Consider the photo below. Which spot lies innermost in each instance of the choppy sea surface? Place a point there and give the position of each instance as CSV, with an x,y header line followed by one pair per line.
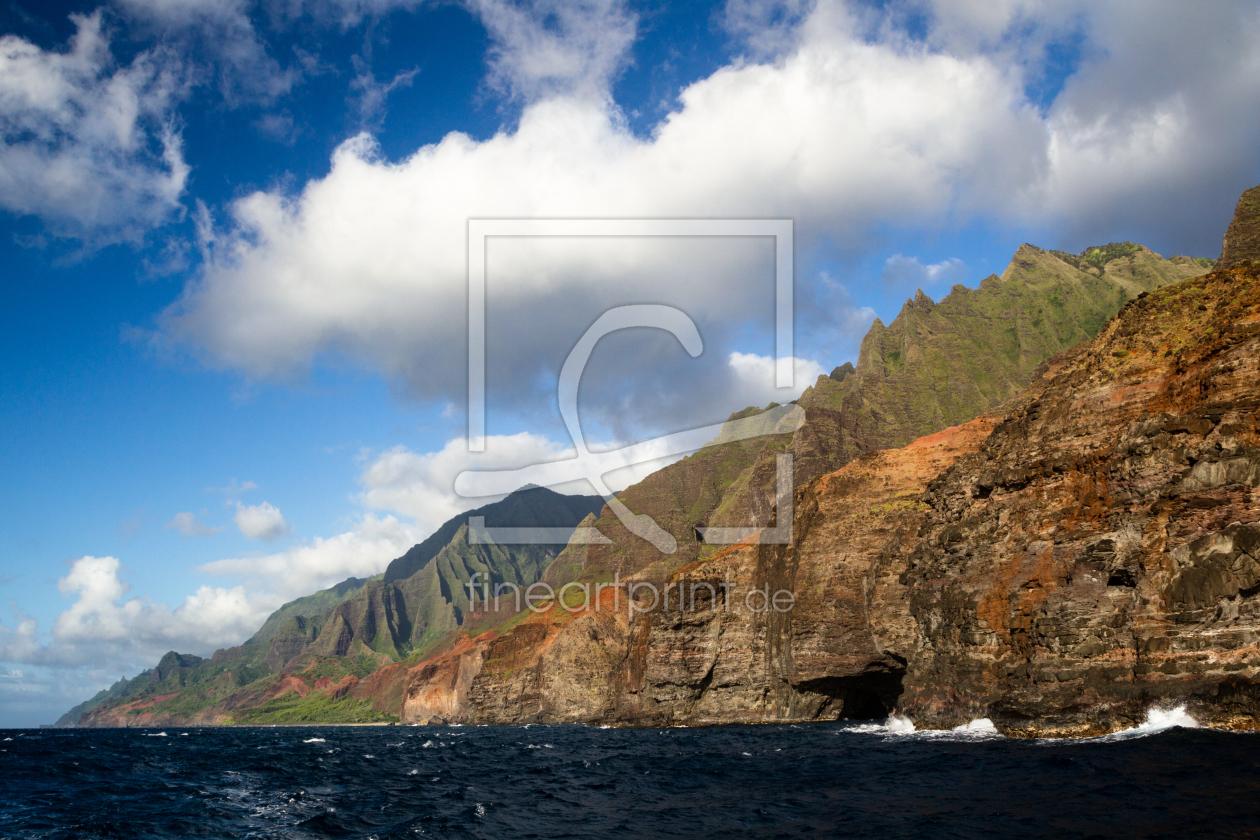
x,y
817,780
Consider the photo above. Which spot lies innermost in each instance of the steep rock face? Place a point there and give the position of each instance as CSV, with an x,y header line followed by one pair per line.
x,y
1099,553
935,364
721,658
730,658
1242,239
555,666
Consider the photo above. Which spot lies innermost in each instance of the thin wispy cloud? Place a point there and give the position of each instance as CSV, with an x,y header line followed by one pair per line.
x,y
187,524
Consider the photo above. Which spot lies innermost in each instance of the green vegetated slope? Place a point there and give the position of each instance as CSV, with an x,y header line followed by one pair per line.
x,y
940,364
523,509
310,605
936,365
349,630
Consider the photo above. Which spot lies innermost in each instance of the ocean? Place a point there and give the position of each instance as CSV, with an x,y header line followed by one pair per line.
x,y
769,781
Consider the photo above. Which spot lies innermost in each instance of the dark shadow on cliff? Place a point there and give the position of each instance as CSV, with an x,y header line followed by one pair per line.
x,y
870,696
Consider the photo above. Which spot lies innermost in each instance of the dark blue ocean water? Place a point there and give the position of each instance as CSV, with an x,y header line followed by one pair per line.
x,y
823,780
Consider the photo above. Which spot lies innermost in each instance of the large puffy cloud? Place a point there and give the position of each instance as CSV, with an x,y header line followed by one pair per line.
x,y
1160,127
847,129
851,125
370,260
1154,134
103,625
88,147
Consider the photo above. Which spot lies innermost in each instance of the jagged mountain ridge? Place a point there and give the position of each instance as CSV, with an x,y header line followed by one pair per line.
x,y
935,365
377,622
516,511
346,632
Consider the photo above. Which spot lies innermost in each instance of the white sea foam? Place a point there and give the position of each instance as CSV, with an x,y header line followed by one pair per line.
x,y
481,810
1157,720
155,734
895,725
902,726
313,741
426,745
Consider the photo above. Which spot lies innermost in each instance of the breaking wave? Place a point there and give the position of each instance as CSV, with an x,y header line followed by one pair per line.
x,y
1157,720
901,726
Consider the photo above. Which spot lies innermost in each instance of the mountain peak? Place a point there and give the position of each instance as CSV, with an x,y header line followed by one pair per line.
x,y
1242,239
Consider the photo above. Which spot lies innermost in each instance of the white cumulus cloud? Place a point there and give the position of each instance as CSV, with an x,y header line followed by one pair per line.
x,y
103,624
370,261
315,564
261,522
88,147
755,375
849,124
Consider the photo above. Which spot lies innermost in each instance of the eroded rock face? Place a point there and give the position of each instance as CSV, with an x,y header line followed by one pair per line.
x,y
1098,554
1242,239
1094,553
840,649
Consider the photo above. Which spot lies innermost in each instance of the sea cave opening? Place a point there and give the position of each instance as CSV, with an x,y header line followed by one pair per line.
x,y
859,697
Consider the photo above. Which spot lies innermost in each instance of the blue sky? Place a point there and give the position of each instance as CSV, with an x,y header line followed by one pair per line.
x,y
231,359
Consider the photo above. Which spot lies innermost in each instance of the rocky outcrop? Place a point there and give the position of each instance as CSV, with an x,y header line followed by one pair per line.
x,y
1098,554
1242,239
834,648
